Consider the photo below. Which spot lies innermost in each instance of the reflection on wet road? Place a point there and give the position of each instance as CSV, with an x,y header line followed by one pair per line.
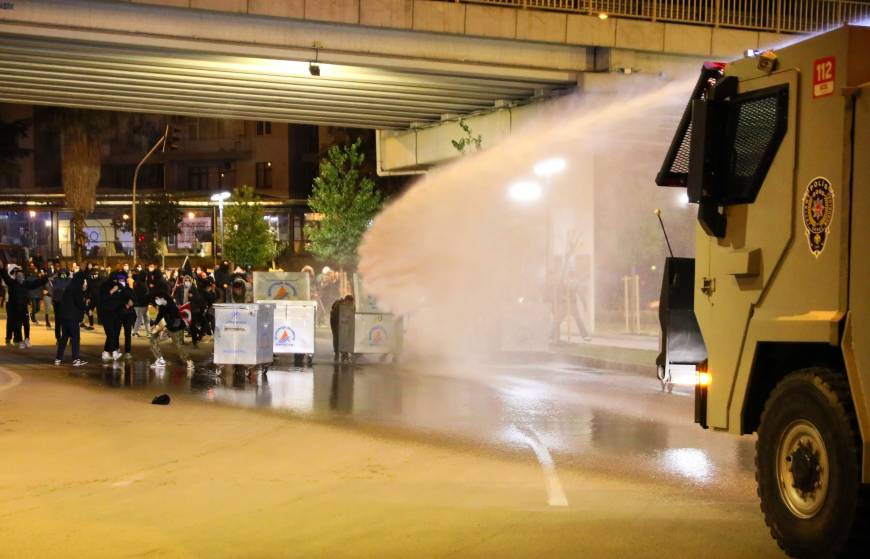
x,y
585,417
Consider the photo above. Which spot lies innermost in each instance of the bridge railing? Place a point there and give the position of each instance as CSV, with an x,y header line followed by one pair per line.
x,y
789,16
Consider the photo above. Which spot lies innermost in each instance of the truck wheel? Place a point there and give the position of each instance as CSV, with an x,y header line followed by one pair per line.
x,y
808,466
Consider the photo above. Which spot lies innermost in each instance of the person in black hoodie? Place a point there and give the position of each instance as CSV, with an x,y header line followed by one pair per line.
x,y
109,309
92,294
222,279
73,306
17,316
58,285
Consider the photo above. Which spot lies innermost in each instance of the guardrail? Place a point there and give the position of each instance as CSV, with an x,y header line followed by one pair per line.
x,y
788,16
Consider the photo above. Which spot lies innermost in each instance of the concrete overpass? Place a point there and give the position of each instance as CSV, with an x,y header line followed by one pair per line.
x,y
393,65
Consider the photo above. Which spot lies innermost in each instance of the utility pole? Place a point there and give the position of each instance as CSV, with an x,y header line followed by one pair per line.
x,y
168,139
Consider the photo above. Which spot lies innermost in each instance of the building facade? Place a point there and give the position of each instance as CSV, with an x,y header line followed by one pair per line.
x,y
213,155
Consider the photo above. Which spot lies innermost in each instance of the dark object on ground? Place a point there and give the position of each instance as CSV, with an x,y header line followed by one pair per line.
x,y
162,400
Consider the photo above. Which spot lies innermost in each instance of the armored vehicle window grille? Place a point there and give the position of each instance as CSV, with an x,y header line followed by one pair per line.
x,y
680,164
675,168
757,124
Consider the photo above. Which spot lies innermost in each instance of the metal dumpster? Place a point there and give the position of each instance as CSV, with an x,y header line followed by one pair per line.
x,y
243,334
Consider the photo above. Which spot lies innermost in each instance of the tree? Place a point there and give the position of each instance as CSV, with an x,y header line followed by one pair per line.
x,y
347,202
11,133
82,134
468,140
158,219
249,241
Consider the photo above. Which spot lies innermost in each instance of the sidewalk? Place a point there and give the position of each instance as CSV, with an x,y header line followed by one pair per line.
x,y
621,352
626,352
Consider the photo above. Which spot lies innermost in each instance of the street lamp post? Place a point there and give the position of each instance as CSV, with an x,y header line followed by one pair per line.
x,y
160,143
220,197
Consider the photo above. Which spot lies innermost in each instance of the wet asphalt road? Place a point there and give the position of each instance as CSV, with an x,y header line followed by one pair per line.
x,y
466,447
585,418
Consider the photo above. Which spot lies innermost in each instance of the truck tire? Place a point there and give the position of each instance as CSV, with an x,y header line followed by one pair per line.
x,y
808,467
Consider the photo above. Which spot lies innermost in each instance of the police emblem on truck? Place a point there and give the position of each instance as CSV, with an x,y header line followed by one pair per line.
x,y
818,213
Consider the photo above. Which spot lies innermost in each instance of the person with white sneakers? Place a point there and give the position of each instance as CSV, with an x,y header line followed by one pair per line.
x,y
168,319
108,307
16,305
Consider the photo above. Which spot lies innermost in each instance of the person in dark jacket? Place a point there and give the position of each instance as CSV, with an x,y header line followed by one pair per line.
x,y
168,319
93,294
188,293
126,314
35,294
109,309
16,308
209,298
222,279
334,314
58,285
71,312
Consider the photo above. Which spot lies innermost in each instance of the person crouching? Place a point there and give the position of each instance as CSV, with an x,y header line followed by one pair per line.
x,y
168,319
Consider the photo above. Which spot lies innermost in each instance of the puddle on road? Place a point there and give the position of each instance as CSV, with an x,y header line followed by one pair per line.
x,y
577,433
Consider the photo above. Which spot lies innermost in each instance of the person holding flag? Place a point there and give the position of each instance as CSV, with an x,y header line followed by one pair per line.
x,y
170,320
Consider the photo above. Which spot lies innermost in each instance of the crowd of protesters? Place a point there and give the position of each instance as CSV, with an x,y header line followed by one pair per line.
x,y
117,300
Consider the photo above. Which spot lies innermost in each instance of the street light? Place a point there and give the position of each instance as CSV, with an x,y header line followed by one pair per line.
x,y
549,167
220,197
525,191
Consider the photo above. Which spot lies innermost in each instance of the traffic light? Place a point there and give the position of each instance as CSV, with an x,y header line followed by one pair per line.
x,y
172,138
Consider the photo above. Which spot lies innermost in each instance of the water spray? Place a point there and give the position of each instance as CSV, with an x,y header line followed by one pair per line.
x,y
658,213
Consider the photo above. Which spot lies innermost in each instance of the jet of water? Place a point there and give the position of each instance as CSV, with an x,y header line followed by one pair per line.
x,y
488,248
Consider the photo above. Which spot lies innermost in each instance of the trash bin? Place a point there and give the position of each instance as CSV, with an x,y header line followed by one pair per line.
x,y
294,323
281,286
368,333
243,334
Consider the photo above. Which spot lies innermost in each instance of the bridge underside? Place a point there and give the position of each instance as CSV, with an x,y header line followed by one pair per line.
x,y
198,83
156,65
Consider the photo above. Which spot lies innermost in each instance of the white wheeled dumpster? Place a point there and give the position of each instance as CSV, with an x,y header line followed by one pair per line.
x,y
294,323
243,334
281,286
368,333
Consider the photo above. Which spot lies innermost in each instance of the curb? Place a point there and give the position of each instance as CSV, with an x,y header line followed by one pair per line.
x,y
581,360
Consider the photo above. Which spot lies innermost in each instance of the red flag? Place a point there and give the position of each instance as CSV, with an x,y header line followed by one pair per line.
x,y
186,313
